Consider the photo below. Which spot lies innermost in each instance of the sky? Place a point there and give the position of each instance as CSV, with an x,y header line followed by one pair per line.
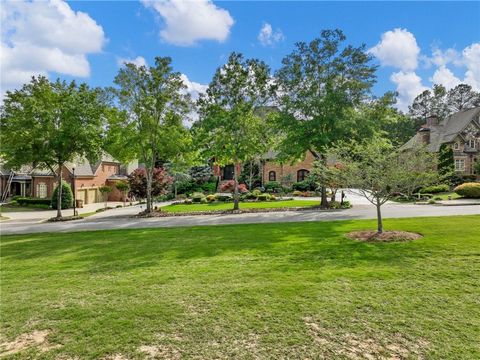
x,y
415,44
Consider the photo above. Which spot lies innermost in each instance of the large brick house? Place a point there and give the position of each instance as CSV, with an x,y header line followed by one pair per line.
x,y
40,183
286,173
461,131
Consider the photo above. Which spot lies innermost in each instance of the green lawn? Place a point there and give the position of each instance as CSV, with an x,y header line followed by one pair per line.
x,y
243,205
445,196
271,291
10,208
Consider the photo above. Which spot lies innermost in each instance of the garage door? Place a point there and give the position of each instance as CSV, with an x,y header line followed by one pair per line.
x,y
92,196
82,195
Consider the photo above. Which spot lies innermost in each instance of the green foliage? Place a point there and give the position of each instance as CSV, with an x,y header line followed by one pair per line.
x,y
211,198
223,197
105,190
445,161
306,185
152,103
469,190
67,197
122,186
435,189
334,205
209,187
32,201
273,186
263,197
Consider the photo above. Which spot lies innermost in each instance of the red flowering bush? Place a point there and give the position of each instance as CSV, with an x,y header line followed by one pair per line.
x,y
229,186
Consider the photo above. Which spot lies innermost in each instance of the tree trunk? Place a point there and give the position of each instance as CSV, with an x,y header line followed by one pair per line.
x,y
379,218
324,201
251,177
334,195
235,191
149,190
124,198
59,192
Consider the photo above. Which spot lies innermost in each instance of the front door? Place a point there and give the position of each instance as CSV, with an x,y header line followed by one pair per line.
x,y
228,172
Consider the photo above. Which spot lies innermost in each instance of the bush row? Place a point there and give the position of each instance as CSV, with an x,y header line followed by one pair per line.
x,y
469,190
23,201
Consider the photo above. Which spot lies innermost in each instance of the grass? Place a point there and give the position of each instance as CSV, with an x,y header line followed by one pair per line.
x,y
87,214
17,208
444,196
272,291
243,205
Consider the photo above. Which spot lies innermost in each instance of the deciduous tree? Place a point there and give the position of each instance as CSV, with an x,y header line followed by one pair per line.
x,y
49,124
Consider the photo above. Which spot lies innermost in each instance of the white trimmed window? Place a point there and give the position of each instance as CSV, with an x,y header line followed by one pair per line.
x,y
41,190
459,165
471,143
456,145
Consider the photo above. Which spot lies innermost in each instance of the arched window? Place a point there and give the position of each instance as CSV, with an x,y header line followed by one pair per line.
x,y
272,176
302,174
41,190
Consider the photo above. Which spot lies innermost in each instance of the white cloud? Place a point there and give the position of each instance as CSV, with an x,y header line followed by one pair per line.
x,y
397,48
445,77
268,37
138,61
409,85
40,37
187,22
193,88
471,59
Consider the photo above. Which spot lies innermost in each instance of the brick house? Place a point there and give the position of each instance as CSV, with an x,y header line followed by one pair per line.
x,y
460,131
286,173
40,183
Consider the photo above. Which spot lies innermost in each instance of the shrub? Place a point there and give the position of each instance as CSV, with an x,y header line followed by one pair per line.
x,y
346,205
263,197
229,186
273,197
334,205
119,206
30,201
431,201
209,187
256,192
435,189
211,198
198,197
203,200
273,186
468,190
188,201
251,195
222,197
305,185
297,193
67,197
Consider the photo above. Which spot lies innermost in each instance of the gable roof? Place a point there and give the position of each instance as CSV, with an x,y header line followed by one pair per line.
x,y
446,131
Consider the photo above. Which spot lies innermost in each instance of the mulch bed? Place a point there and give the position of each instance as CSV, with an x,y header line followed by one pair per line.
x,y
386,236
157,213
64,218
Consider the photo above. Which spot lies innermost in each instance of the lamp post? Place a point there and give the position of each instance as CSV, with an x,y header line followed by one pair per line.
x,y
74,196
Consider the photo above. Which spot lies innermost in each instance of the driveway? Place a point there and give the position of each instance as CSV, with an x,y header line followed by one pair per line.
x,y
120,218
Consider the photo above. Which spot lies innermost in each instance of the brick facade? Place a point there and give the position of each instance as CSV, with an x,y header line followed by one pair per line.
x,y
286,173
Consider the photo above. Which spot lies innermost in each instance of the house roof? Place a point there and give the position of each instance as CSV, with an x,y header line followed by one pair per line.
x,y
446,131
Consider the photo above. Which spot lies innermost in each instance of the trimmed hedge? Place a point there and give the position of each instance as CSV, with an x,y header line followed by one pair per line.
x,y
435,189
31,201
468,190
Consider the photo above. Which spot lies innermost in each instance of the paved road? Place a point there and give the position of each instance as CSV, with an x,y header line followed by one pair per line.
x,y
120,220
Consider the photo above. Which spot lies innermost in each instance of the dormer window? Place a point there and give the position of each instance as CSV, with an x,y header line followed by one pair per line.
x,y
456,145
471,144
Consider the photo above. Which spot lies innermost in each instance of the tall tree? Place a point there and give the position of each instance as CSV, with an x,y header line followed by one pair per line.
x,y
319,85
51,123
429,103
462,97
148,126
230,129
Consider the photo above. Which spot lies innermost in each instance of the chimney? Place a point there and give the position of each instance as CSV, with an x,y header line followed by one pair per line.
x,y
432,120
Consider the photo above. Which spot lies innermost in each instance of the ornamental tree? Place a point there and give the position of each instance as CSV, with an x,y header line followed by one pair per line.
x,y
49,124
320,84
152,103
105,190
138,183
231,128
123,187
377,172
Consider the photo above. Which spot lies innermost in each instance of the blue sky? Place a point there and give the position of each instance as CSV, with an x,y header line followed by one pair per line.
x,y
420,39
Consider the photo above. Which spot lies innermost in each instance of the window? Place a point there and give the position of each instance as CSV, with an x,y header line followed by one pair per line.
x,y
272,176
302,174
41,190
471,143
456,145
459,164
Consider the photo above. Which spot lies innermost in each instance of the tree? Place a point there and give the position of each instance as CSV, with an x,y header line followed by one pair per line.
x,y
66,200
123,187
446,166
230,129
138,183
378,172
462,97
105,190
148,126
320,83
250,174
48,124
429,103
